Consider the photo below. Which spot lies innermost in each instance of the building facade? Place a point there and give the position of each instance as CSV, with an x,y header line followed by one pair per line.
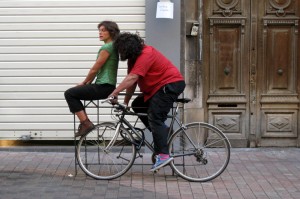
x,y
246,69
240,59
46,47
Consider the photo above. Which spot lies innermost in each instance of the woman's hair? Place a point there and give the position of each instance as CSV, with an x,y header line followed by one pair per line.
x,y
111,27
129,46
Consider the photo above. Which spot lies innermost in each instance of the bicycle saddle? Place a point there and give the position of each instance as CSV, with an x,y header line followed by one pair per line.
x,y
183,100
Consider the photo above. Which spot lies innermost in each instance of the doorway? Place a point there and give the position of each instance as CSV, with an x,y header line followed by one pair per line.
x,y
250,58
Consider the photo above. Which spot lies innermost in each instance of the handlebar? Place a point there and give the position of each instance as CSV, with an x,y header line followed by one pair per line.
x,y
116,103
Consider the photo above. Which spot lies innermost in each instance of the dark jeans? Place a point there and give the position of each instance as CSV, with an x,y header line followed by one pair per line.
x,y
86,92
157,108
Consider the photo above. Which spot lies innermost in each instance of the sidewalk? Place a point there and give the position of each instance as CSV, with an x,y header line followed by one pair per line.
x,y
28,173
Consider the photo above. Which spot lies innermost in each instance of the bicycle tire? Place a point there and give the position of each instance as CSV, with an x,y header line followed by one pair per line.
x,y
201,152
105,164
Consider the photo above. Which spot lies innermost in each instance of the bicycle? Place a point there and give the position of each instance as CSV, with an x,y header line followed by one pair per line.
x,y
200,150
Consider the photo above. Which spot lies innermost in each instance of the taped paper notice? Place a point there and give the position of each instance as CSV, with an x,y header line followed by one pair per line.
x,y
165,10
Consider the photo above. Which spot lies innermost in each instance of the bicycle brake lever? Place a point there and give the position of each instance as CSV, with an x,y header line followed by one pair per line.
x,y
105,101
109,100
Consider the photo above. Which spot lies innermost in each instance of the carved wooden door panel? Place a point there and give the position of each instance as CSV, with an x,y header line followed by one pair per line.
x,y
226,61
277,73
251,64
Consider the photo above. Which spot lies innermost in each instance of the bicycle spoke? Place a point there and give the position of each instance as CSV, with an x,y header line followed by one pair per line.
x,y
201,152
102,162
221,141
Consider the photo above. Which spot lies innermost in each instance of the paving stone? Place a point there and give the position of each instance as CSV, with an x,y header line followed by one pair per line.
x,y
269,173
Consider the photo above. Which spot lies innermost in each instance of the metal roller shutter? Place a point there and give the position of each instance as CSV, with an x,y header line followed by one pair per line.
x,y
47,47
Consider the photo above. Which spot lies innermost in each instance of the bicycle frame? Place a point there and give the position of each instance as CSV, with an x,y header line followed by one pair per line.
x,y
203,146
123,121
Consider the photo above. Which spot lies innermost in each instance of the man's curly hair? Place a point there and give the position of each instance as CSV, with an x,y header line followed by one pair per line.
x,y
129,46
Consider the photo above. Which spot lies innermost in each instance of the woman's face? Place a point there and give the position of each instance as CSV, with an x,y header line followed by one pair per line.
x,y
104,35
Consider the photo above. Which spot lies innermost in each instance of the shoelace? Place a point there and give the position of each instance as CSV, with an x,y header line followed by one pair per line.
x,y
79,127
157,160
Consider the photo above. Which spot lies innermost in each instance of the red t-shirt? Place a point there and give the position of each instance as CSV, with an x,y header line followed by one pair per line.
x,y
154,71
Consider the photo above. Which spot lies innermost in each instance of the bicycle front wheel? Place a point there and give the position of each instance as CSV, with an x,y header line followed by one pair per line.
x,y
201,152
105,154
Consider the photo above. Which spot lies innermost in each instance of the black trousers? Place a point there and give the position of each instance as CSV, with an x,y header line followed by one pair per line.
x,y
75,94
157,108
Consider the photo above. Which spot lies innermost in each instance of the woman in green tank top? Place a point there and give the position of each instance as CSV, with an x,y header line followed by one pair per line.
x,y
104,70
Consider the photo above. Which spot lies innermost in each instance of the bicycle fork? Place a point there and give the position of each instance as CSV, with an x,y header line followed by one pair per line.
x,y
114,138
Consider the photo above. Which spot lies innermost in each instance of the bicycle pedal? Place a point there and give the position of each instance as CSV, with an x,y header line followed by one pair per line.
x,y
156,171
140,156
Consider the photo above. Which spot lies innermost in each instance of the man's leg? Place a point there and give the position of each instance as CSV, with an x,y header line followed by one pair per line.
x,y
139,106
159,107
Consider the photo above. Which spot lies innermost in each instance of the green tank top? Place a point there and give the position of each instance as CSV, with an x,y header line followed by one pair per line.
x,y
108,72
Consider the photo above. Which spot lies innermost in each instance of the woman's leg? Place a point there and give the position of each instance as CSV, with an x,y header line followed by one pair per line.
x,y
82,116
75,94
87,92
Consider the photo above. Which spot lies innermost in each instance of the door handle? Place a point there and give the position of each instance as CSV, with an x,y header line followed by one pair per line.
x,y
227,70
280,71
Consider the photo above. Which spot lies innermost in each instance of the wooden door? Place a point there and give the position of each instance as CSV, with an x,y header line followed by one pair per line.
x,y
251,63
277,73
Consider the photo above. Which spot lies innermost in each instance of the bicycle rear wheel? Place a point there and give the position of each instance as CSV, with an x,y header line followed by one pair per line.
x,y
101,162
201,152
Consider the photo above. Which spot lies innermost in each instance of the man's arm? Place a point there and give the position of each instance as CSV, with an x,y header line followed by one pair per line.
x,y
128,83
129,92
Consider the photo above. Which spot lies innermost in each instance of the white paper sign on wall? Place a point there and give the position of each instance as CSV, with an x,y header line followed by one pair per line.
x,y
165,10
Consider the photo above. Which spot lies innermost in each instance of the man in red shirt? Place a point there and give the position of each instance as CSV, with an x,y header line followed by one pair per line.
x,y
160,82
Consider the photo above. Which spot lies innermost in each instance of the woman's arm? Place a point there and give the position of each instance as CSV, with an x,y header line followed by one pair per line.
x,y
102,58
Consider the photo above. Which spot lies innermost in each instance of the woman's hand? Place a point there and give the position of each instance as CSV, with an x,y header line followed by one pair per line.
x,y
81,84
113,98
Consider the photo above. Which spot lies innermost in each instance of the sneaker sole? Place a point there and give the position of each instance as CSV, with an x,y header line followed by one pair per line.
x,y
162,165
